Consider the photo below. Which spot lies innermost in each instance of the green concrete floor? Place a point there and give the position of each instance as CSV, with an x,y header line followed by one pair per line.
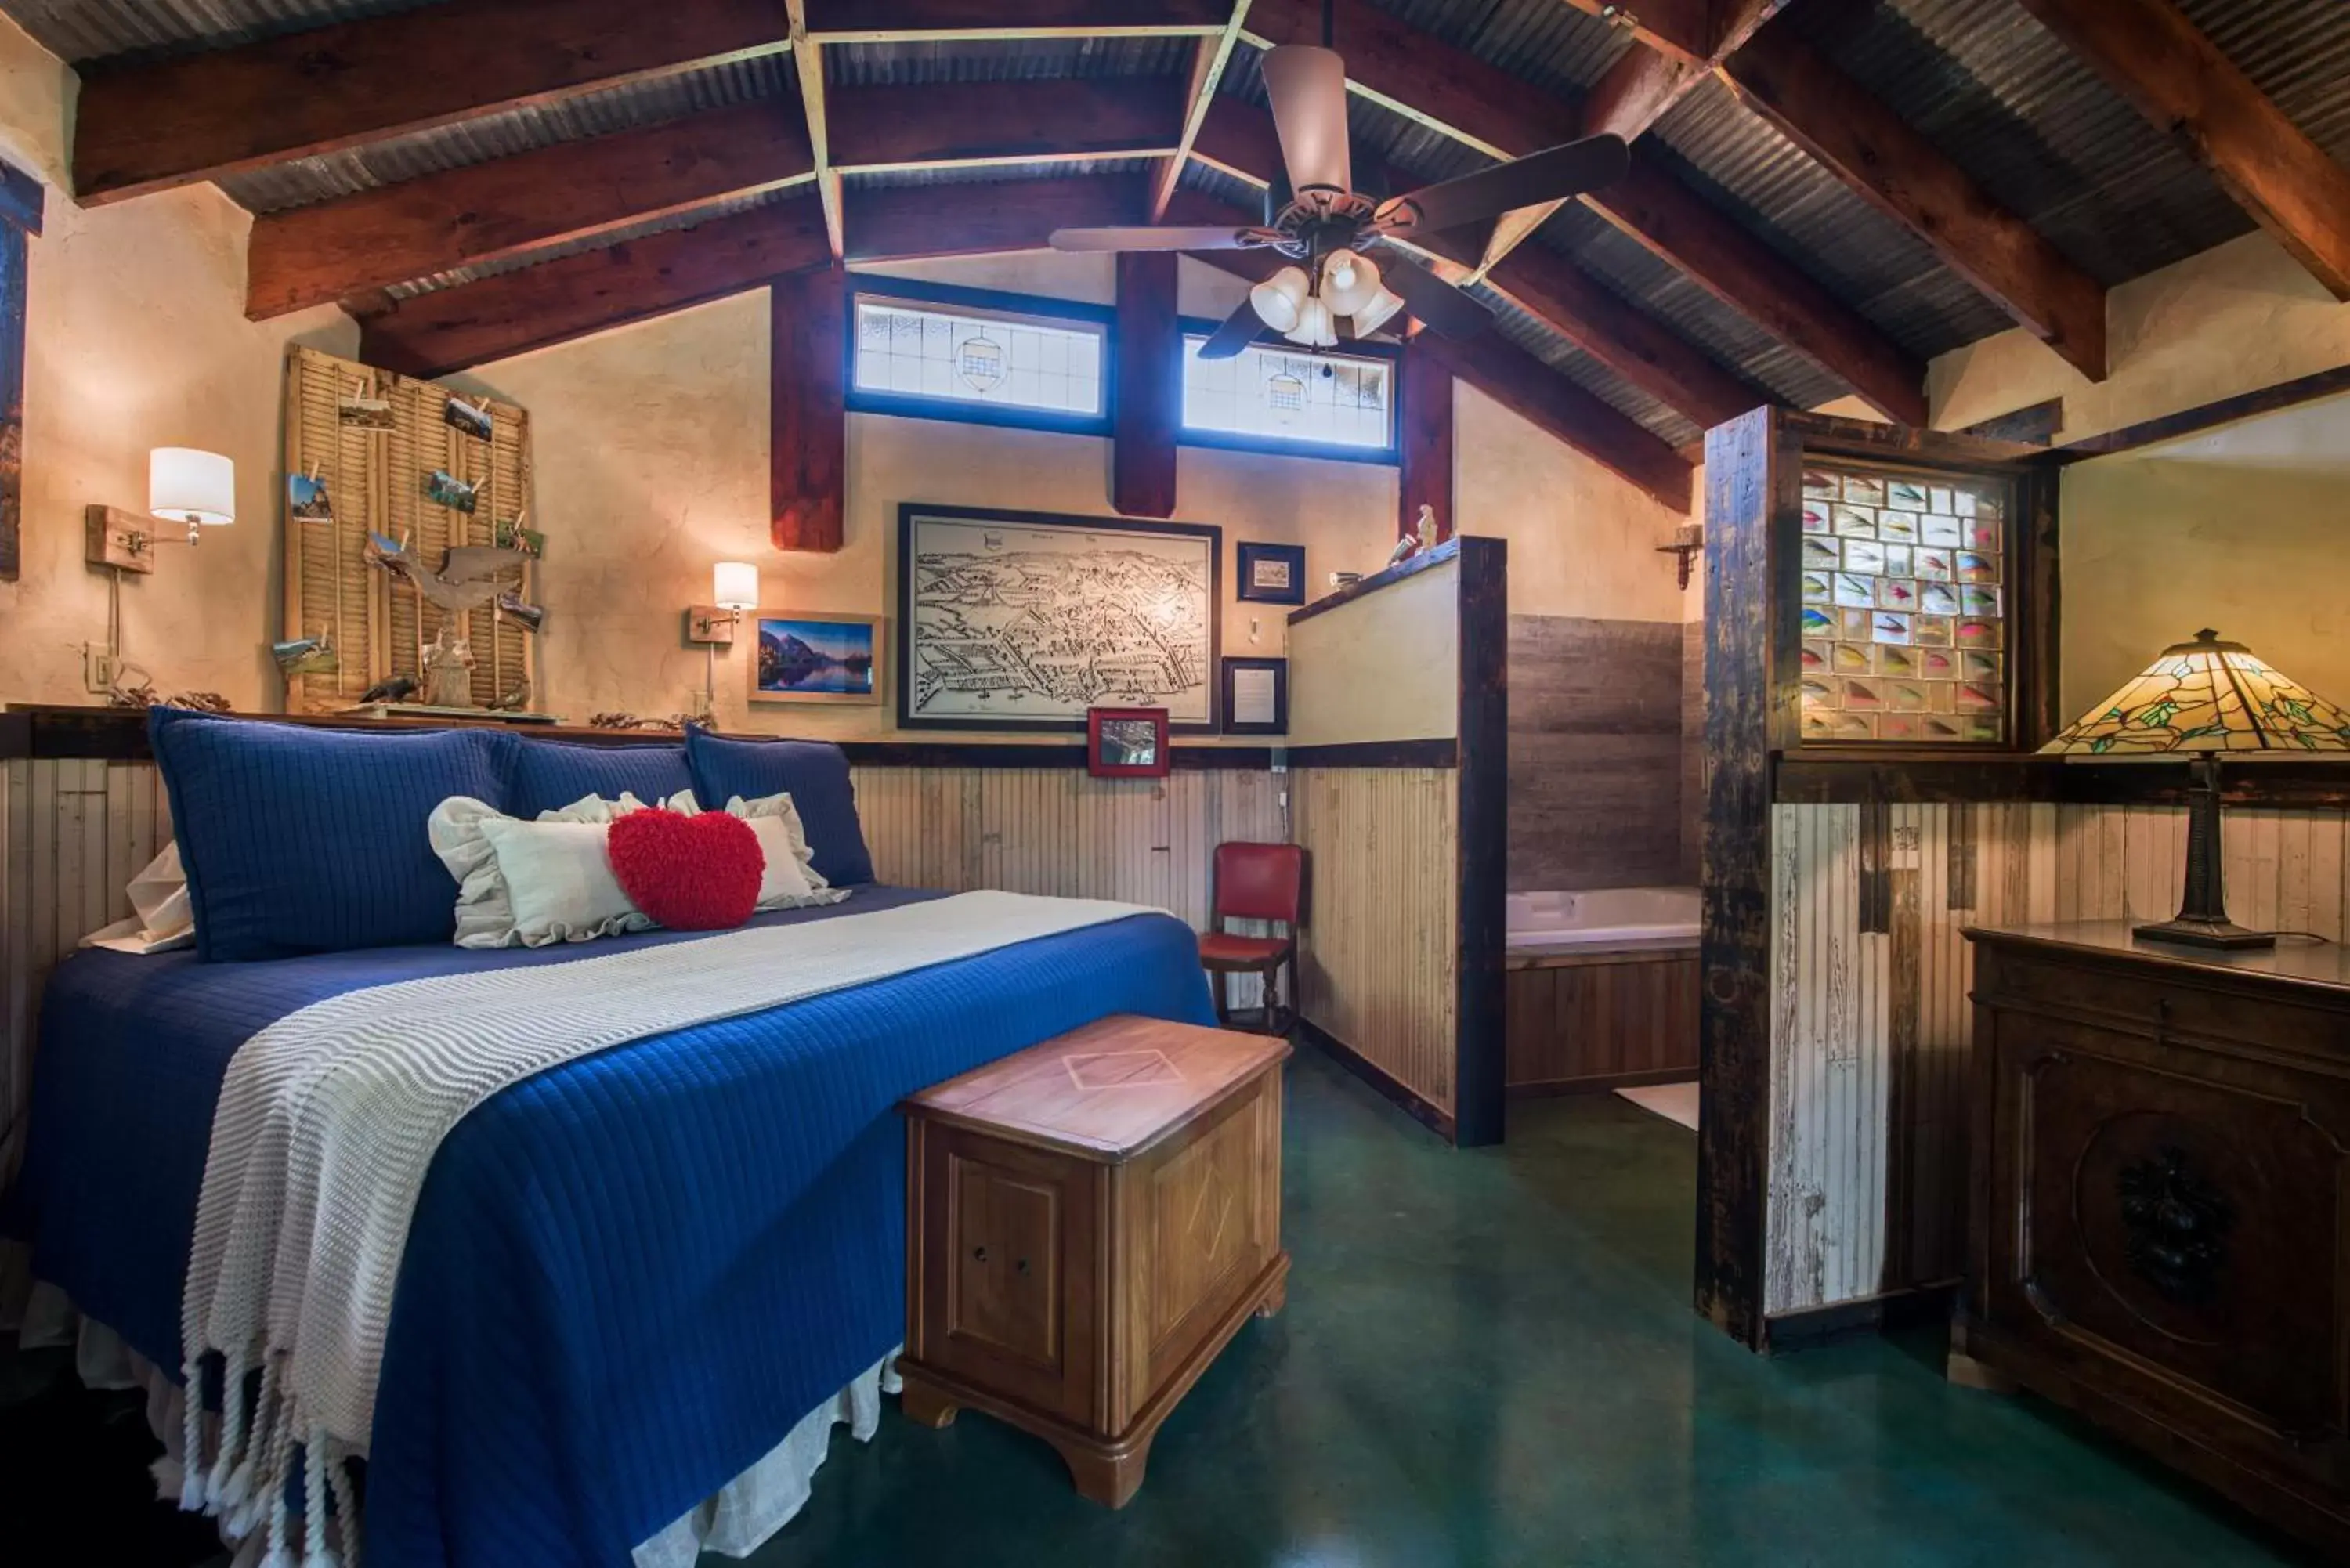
x,y
1489,1358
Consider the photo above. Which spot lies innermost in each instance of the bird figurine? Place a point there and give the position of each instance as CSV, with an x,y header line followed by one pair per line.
x,y
392,689
470,575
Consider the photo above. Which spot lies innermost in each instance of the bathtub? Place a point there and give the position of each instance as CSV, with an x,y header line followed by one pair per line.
x,y
1603,917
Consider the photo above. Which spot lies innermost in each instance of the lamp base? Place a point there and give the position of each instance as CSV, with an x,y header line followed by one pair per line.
x,y
2223,933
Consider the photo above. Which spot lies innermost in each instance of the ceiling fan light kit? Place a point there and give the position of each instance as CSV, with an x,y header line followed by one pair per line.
x,y
1317,218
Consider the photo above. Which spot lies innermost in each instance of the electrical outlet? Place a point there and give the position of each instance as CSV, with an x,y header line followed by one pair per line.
x,y
98,667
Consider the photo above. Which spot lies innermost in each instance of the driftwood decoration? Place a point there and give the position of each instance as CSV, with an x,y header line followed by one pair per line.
x,y
376,439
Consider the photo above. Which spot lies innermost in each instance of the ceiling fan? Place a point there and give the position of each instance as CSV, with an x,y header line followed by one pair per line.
x,y
1315,216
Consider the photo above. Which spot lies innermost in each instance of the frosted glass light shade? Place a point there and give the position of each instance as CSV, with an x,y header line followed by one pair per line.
x,y
1279,298
734,585
1378,313
1316,326
184,485
1349,282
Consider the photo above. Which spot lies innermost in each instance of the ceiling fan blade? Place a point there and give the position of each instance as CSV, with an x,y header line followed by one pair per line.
x,y
1240,329
1140,238
1527,181
1431,298
1308,88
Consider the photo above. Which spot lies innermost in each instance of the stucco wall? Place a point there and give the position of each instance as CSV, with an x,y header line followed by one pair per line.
x,y
136,338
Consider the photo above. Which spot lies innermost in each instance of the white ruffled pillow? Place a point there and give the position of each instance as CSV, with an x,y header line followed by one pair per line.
x,y
538,883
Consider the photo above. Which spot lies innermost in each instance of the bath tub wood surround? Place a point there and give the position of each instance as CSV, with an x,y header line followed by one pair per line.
x,y
1602,990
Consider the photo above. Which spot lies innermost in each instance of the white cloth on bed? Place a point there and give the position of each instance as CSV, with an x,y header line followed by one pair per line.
x,y
162,921
329,1119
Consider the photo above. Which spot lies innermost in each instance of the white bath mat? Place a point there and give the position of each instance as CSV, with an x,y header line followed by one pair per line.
x,y
1674,1101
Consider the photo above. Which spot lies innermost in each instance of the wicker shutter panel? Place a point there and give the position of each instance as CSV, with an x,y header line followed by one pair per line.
x,y
376,481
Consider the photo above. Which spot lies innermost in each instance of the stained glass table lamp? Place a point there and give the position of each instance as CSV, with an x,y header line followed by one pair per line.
x,y
2207,697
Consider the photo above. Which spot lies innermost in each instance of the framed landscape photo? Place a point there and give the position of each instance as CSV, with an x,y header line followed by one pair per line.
x,y
1127,744
1270,574
1025,620
797,658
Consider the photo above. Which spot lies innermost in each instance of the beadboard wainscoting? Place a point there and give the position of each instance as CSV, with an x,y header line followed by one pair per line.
x,y
1378,967
1871,1024
73,832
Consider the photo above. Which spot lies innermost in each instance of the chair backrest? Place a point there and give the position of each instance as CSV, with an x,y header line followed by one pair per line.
x,y
1259,882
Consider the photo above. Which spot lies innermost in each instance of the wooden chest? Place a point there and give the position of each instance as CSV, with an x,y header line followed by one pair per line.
x,y
1087,1224
2159,1235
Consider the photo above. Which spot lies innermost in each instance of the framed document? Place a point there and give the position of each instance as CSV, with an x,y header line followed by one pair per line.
x,y
1256,696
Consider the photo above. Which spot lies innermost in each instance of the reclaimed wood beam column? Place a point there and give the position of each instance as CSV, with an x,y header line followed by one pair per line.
x,y
151,126
21,201
1873,151
1149,375
2151,55
808,379
1424,440
415,228
1209,58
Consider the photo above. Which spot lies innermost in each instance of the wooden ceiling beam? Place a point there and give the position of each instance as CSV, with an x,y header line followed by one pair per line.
x,y
1634,93
2151,54
922,21
1500,115
1239,139
483,212
947,124
1210,55
808,58
1507,374
1873,152
454,328
982,218
149,127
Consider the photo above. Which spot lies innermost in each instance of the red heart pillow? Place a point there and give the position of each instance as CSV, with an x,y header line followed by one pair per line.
x,y
690,873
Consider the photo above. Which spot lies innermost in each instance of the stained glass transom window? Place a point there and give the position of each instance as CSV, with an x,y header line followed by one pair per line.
x,y
968,356
1905,610
1279,394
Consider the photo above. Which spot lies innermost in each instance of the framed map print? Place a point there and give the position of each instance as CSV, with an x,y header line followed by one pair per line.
x,y
1024,620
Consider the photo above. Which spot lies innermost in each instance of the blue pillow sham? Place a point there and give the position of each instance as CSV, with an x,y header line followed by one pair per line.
x,y
548,775
302,840
815,774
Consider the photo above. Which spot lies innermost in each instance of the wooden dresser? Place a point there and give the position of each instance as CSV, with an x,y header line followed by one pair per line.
x,y
2158,1235
1089,1222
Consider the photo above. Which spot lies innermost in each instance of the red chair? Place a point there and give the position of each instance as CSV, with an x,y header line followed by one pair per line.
x,y
1255,882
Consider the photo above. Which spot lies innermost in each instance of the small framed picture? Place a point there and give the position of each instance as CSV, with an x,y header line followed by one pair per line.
x,y
445,489
1271,574
1126,743
1256,696
307,499
800,658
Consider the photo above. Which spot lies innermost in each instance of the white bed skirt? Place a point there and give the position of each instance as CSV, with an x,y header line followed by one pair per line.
x,y
736,1519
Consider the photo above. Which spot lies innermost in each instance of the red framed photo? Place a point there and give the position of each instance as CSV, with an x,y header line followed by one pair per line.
x,y
1126,743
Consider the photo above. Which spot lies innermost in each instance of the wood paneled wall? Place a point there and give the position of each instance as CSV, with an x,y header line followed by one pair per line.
x,y
1594,752
1378,964
1869,976
73,833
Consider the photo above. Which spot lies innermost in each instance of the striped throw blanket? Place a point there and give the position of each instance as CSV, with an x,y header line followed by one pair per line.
x,y
329,1121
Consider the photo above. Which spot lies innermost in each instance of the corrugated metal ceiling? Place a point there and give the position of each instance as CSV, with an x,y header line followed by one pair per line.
x,y
995,60
1529,333
694,219
994,173
80,30
643,102
1548,42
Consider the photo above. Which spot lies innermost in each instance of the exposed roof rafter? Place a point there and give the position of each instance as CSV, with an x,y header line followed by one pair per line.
x,y
1210,55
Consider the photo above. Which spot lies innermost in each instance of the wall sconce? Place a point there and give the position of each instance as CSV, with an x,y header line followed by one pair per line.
x,y
183,485
733,588
1688,540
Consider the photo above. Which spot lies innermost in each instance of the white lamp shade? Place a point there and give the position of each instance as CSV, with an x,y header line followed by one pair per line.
x,y
1315,328
184,485
1279,298
1349,282
1375,315
734,585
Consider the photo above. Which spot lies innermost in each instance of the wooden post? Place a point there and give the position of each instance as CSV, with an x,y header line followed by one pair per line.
x,y
21,197
808,457
1149,353
1425,438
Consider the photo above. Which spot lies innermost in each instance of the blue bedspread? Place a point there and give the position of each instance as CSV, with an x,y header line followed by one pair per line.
x,y
628,1276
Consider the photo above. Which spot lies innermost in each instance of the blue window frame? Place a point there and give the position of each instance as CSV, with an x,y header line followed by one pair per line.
x,y
931,351
1275,397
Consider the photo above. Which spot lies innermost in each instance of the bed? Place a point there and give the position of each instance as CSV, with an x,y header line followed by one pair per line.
x,y
627,1278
